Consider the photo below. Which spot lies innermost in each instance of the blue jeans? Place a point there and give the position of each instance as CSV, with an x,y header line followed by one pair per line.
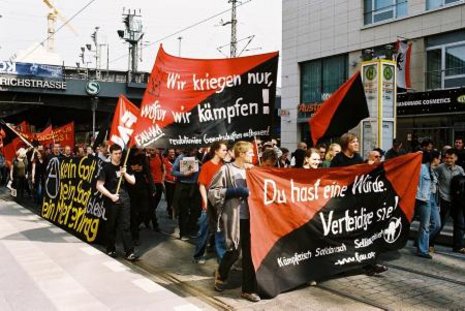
x,y
423,210
435,219
203,237
220,245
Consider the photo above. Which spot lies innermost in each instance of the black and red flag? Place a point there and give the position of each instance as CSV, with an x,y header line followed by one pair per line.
x,y
341,112
13,137
194,102
307,225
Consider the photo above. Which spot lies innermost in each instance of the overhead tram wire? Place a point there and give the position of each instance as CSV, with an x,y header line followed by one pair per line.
x,y
182,30
58,29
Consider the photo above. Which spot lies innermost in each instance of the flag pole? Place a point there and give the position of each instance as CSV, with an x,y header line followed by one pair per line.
x,y
121,177
17,133
256,147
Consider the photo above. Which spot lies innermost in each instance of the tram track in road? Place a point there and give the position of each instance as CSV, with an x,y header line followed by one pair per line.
x,y
426,274
166,279
353,297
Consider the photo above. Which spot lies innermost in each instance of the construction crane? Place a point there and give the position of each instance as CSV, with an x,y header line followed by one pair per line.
x,y
51,21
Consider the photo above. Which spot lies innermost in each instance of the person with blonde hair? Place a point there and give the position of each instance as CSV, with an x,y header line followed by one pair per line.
x,y
333,149
18,173
228,194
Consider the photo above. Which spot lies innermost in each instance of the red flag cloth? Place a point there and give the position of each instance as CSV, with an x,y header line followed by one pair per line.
x,y
404,50
63,135
24,128
11,141
9,150
45,136
346,107
172,104
124,120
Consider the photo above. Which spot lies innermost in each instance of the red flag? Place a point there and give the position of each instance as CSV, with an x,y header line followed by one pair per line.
x,y
403,64
122,127
346,107
64,134
9,150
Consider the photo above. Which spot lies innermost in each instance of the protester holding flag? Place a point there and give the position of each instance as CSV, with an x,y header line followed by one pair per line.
x,y
116,204
228,193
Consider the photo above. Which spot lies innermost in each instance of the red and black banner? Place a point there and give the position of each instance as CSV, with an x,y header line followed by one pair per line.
x,y
341,112
194,102
311,224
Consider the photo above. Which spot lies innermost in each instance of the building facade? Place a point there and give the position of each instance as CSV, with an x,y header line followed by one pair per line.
x,y
47,94
324,43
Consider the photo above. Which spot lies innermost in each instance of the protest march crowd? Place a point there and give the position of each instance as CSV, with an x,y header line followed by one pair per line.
x,y
206,191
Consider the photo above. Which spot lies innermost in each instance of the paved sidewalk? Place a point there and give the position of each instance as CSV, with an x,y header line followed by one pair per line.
x,y
42,267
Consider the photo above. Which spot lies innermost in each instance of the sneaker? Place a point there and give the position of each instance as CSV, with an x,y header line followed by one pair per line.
x,y
131,257
112,254
250,297
427,256
461,251
200,261
312,283
184,238
375,269
219,284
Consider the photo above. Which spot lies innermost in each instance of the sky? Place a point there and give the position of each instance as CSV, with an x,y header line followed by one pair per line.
x,y
24,24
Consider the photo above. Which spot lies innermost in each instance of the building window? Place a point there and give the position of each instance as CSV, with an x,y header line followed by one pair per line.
x,y
380,10
319,78
445,61
434,4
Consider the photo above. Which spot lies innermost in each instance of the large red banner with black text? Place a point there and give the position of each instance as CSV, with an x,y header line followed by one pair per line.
x,y
194,102
310,224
